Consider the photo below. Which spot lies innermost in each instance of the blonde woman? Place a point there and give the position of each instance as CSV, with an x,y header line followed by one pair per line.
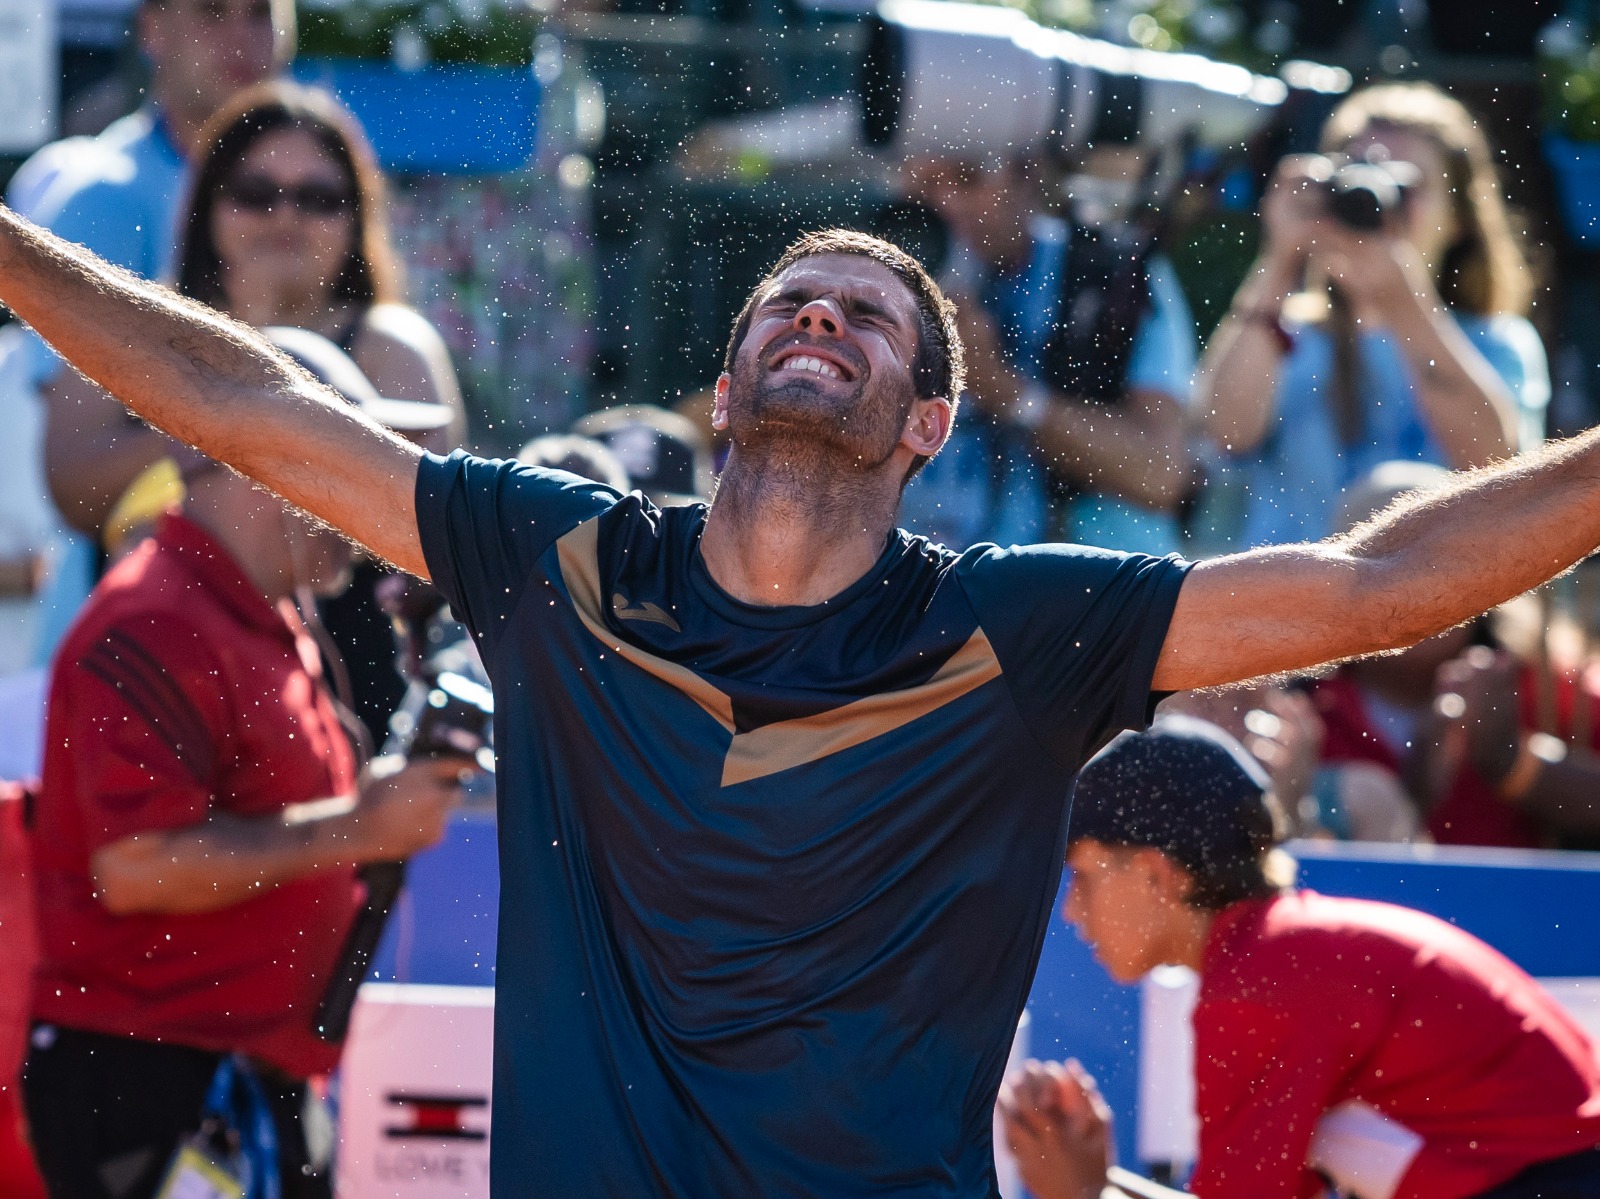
x,y
1343,350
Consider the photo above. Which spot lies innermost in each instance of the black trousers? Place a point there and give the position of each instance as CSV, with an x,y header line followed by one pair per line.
x,y
1576,1176
107,1113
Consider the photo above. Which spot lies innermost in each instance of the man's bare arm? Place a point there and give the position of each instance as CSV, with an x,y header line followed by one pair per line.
x,y
228,859
217,385
1429,562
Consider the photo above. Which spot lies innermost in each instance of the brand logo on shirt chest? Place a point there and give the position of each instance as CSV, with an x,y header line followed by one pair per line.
x,y
648,612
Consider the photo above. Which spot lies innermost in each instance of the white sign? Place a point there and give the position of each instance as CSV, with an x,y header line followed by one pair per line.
x,y
414,1093
30,74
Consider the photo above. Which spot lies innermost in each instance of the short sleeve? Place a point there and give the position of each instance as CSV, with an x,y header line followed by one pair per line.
x,y
1077,632
484,524
1164,353
97,216
150,734
1513,347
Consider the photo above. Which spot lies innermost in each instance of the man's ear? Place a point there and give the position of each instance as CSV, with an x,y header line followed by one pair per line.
x,y
1169,881
719,403
928,426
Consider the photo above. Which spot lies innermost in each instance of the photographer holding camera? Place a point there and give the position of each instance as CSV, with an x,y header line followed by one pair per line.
x,y
1080,347
198,830
1350,346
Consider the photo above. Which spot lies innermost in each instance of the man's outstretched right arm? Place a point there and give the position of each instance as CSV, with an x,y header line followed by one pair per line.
x,y
215,384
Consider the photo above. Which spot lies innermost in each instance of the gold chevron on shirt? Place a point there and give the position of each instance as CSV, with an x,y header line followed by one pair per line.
x,y
578,552
784,744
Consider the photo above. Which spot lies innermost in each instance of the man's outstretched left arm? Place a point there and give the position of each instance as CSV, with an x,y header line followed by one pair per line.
x,y
1431,561
216,385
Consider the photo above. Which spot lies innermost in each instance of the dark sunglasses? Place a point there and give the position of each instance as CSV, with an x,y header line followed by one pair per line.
x,y
309,199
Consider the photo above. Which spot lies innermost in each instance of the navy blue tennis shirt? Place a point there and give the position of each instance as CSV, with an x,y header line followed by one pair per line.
x,y
774,880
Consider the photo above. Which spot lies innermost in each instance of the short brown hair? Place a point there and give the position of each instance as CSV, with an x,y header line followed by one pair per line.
x,y
938,369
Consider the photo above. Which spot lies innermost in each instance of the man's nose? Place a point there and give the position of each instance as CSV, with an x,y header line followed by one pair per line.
x,y
820,317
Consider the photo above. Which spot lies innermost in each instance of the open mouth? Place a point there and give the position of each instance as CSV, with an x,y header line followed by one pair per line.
x,y
808,360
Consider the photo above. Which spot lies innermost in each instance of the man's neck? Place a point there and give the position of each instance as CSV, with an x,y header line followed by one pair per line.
x,y
238,524
779,535
181,121
1190,937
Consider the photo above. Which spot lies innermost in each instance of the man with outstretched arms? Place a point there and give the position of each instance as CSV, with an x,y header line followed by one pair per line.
x,y
782,789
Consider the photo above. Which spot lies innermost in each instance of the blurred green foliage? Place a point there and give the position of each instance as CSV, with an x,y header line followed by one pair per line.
x,y
1569,74
414,33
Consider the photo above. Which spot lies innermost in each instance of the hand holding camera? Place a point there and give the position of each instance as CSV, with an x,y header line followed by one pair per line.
x,y
1350,214
404,804
1058,1127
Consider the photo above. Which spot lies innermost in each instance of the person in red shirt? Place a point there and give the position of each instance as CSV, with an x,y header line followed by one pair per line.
x,y
1488,747
1339,1043
199,824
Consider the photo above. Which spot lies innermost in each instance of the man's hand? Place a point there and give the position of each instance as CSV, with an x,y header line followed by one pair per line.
x,y
1285,734
1479,692
1058,1127
1427,563
404,806
229,859
992,384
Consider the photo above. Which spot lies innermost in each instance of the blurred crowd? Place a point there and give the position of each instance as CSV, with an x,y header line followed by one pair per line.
x,y
1352,366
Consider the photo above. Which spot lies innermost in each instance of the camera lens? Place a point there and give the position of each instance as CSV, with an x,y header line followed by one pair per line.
x,y
1361,196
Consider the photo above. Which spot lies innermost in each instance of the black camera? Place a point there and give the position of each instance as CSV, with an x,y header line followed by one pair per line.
x,y
1363,194
448,708
448,711
451,715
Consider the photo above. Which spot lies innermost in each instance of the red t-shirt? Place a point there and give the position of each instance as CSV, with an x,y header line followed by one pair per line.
x,y
1458,1070
178,691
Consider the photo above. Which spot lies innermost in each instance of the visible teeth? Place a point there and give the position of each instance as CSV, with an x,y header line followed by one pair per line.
x,y
804,362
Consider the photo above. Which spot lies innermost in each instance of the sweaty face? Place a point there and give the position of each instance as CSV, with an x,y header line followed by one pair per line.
x,y
827,360
1119,906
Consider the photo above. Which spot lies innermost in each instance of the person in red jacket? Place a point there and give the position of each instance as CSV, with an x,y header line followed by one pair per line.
x,y
1338,1043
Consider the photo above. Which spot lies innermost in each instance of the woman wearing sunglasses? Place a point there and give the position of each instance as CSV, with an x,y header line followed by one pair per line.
x,y
285,226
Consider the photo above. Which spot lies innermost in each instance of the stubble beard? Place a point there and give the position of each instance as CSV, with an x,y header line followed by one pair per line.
x,y
800,444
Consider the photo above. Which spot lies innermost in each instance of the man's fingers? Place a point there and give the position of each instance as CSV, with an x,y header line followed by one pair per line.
x,y
1087,1090
1033,1086
1027,1101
